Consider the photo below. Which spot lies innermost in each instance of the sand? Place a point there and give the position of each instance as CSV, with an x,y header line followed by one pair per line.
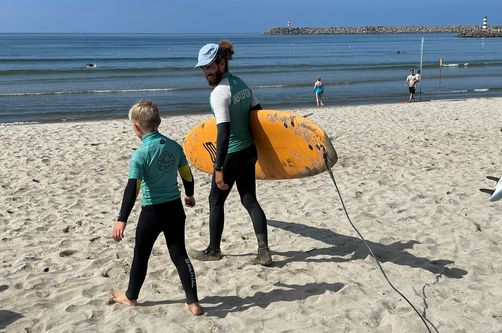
x,y
409,175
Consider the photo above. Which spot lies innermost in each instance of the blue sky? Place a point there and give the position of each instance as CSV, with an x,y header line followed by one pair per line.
x,y
178,16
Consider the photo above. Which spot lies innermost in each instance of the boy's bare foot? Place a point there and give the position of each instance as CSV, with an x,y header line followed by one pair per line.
x,y
194,308
119,297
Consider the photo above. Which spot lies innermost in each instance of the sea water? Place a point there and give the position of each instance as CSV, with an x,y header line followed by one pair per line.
x,y
43,77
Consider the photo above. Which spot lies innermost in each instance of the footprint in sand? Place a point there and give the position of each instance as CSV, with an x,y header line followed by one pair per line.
x,y
72,308
67,253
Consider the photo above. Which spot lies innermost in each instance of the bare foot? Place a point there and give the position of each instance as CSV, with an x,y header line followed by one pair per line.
x,y
194,308
119,297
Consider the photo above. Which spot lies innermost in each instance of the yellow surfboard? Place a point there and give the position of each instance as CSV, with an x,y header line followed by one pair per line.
x,y
288,145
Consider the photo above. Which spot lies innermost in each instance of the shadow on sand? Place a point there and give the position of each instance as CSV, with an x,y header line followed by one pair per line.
x,y
348,245
162,302
343,249
7,317
224,305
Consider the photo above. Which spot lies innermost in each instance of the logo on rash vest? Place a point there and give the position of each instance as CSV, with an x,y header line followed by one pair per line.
x,y
166,161
244,93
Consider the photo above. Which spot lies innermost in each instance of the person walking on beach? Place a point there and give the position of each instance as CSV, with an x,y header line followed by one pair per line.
x,y
155,165
231,102
319,91
411,84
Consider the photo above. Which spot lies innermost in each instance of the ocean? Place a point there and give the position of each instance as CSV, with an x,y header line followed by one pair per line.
x,y
43,77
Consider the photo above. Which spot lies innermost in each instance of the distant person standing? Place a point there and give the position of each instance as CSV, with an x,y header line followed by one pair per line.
x,y
411,84
319,91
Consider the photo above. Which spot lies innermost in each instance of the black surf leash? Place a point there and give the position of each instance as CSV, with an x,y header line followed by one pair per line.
x,y
424,320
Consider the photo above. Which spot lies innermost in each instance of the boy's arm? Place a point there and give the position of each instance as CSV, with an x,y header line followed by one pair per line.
x,y
188,184
130,194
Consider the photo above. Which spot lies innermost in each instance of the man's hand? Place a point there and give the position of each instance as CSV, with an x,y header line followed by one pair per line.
x,y
218,177
118,231
189,201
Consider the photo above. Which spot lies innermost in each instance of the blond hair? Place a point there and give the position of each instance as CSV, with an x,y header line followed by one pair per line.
x,y
145,114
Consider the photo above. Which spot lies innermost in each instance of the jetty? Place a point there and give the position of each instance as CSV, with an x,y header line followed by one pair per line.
x,y
473,31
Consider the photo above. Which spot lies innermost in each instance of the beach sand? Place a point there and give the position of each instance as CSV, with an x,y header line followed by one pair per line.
x,y
409,175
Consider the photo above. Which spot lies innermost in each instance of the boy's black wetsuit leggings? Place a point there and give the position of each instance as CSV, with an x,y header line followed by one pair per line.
x,y
239,168
169,218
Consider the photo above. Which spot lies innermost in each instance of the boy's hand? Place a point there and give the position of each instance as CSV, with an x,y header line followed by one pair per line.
x,y
189,201
118,231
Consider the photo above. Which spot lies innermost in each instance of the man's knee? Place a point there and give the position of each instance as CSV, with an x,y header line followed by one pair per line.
x,y
249,201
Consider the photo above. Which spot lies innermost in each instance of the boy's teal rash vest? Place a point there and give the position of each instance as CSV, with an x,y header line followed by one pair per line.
x,y
156,163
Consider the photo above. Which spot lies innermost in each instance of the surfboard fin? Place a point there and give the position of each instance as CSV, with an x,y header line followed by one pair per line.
x,y
495,179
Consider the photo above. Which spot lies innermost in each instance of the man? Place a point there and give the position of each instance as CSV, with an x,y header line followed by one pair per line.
x,y
231,102
411,83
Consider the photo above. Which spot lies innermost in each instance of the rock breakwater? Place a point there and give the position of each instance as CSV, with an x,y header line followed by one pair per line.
x,y
461,30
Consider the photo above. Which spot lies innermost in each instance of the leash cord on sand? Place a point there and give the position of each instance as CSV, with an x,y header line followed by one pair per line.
x,y
325,157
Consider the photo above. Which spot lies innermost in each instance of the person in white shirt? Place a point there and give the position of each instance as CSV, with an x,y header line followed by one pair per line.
x,y
411,82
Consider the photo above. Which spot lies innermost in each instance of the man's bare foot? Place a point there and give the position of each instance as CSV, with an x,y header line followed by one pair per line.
x,y
194,308
119,297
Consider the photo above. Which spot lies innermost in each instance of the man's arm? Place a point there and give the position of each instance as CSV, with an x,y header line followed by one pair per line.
x,y
222,141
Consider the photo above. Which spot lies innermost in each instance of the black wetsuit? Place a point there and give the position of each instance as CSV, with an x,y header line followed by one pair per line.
x,y
239,168
158,160
153,221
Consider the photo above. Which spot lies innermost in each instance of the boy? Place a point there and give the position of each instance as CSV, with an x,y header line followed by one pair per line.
x,y
154,165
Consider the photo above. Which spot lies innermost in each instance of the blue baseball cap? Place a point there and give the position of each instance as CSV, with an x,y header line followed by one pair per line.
x,y
207,54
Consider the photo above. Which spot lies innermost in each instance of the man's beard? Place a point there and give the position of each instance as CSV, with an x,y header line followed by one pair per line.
x,y
215,79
